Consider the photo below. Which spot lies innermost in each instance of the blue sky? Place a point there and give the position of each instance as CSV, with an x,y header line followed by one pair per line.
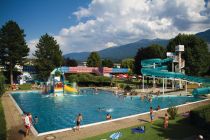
x,y
38,17
92,25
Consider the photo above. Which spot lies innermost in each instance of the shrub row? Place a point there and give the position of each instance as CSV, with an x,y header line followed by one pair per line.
x,y
89,80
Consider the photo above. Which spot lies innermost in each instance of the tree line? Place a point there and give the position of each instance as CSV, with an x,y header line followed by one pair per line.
x,y
14,51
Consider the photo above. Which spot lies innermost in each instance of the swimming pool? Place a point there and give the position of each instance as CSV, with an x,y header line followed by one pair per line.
x,y
60,112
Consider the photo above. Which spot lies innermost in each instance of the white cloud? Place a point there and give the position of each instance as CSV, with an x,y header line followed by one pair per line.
x,y
116,22
82,12
110,44
32,46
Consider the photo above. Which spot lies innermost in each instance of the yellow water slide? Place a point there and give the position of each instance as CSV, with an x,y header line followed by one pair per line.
x,y
70,89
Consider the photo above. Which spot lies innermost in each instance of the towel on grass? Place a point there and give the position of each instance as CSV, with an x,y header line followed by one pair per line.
x,y
140,129
116,135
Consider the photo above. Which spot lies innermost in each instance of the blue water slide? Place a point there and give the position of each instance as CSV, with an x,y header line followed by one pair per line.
x,y
201,91
156,68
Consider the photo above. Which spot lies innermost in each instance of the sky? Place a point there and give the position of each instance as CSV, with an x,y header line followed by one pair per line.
x,y
92,25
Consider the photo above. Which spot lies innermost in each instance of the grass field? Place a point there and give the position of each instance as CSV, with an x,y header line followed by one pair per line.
x,y
2,123
179,128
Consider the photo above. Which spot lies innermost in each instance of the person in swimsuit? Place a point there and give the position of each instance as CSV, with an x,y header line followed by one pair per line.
x,y
158,108
27,123
78,121
166,121
151,114
36,120
108,117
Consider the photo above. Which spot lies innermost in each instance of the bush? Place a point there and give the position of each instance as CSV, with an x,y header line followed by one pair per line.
x,y
89,80
122,86
127,88
200,117
172,111
2,82
25,87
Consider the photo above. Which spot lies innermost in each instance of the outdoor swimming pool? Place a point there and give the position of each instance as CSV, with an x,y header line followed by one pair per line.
x,y
60,112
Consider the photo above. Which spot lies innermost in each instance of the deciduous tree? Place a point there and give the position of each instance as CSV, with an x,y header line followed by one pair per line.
x,y
94,60
70,62
107,63
152,51
196,54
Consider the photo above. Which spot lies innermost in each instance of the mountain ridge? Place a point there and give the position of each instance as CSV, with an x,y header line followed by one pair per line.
x,y
118,52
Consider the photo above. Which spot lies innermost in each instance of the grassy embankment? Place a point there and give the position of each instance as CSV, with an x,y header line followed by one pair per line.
x,y
179,128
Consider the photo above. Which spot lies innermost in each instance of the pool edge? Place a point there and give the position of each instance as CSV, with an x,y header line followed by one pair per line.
x,y
35,132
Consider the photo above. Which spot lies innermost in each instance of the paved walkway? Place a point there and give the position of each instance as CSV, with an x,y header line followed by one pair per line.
x,y
15,125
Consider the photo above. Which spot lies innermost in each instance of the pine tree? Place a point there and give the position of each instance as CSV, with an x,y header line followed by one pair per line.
x,y
48,56
13,48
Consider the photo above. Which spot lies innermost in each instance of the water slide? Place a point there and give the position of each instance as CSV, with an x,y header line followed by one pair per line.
x,y
70,89
156,68
67,86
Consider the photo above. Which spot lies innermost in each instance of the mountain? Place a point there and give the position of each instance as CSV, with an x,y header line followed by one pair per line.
x,y
119,52
130,50
204,35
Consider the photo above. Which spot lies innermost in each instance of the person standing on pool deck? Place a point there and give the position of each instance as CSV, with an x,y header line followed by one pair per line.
x,y
151,114
166,121
78,121
27,123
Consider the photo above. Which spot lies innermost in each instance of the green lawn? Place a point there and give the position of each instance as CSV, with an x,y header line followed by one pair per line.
x,y
25,87
178,129
2,123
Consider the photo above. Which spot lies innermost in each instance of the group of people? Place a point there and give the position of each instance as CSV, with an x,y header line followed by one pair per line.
x,y
79,118
147,97
166,118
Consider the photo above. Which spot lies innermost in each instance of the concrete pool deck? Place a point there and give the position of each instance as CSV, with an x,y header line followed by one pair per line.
x,y
15,126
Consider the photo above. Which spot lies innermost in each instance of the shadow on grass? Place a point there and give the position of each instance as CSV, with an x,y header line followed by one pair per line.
x,y
178,129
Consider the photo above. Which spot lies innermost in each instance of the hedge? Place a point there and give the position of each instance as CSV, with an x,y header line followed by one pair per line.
x,y
89,80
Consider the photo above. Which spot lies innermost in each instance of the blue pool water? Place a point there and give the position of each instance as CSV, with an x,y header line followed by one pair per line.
x,y
60,112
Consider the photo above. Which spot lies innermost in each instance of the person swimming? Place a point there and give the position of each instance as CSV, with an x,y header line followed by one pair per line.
x,y
36,120
101,109
108,117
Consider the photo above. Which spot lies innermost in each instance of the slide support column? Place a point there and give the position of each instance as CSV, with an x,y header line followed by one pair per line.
x,y
143,82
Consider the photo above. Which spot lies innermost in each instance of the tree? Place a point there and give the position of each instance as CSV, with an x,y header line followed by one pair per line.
x,y
70,62
127,63
13,48
94,60
107,63
196,54
2,82
152,51
48,56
